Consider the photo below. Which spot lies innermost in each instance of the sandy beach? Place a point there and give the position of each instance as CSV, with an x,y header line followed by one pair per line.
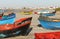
x,y
35,28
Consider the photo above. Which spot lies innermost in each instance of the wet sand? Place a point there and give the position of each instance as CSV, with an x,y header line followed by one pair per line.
x,y
35,28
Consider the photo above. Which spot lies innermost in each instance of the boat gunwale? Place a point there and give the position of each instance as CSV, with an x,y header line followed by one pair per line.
x,y
46,18
8,17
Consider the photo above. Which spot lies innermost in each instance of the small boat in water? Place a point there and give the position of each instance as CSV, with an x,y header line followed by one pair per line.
x,y
50,22
19,27
7,19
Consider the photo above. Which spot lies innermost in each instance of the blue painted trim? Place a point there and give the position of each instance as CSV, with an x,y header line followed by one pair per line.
x,y
49,24
8,19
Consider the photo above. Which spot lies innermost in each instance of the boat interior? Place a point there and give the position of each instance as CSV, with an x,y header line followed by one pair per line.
x,y
55,17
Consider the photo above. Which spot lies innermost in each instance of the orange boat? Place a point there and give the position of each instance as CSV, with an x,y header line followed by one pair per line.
x,y
19,27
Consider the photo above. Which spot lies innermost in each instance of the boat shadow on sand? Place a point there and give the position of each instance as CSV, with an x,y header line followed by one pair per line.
x,y
39,25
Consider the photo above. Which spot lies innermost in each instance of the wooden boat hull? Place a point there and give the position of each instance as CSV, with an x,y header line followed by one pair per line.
x,y
49,14
19,27
48,35
50,24
26,13
45,14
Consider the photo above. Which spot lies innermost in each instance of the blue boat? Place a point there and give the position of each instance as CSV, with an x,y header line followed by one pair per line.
x,y
8,19
49,22
46,12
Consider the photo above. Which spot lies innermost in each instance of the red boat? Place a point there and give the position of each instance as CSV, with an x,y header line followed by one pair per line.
x,y
19,27
49,35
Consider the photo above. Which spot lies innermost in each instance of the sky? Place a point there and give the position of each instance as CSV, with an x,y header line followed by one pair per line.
x,y
29,3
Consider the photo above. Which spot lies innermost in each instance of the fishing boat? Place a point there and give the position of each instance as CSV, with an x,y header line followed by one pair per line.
x,y
46,12
26,11
7,19
50,22
47,35
18,27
